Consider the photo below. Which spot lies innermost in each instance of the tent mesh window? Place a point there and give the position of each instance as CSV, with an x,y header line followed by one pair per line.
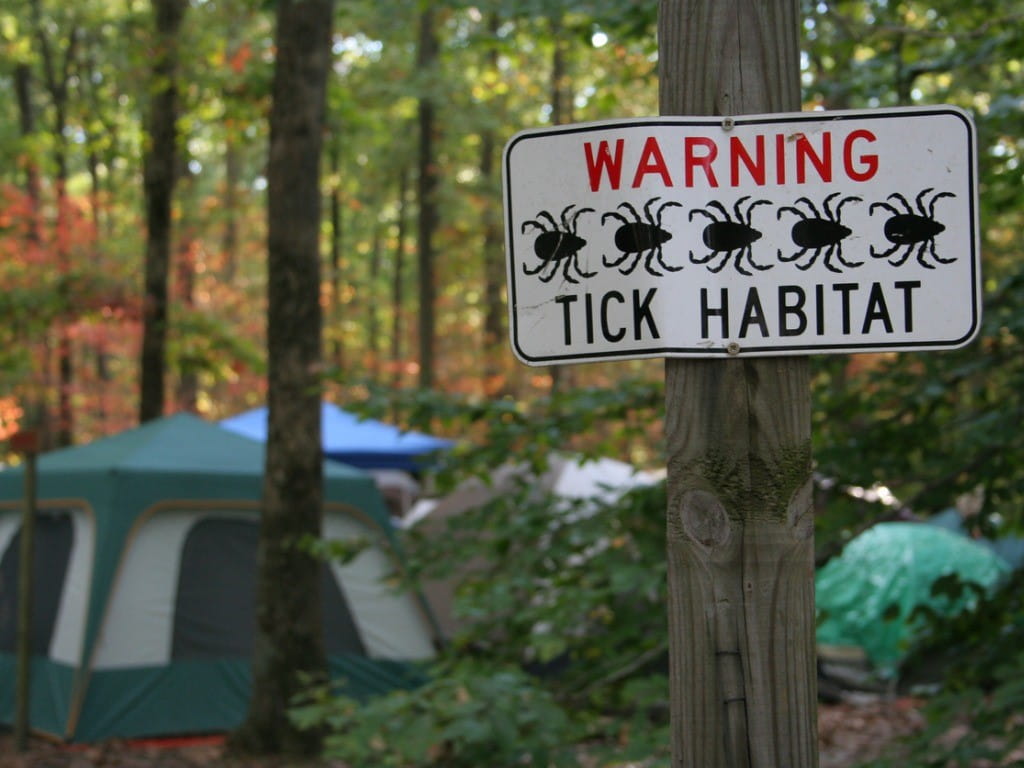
x,y
215,607
53,537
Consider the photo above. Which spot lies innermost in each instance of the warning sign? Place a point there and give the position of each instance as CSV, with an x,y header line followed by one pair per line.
x,y
775,234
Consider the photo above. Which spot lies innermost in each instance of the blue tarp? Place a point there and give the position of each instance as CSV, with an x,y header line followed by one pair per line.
x,y
364,443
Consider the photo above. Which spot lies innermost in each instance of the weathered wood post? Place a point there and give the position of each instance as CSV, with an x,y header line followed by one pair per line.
x,y
739,519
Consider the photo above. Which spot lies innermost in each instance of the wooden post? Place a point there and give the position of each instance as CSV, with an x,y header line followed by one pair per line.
x,y
27,444
739,519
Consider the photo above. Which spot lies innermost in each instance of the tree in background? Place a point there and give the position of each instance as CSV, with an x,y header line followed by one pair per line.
x,y
426,60
58,56
289,639
159,174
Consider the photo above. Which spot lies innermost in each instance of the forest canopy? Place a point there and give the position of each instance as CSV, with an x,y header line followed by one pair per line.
x,y
931,426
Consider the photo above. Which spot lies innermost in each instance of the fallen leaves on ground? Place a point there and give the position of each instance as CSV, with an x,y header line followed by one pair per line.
x,y
849,733
862,727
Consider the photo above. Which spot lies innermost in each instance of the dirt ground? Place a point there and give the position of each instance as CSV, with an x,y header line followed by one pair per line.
x,y
849,733
854,732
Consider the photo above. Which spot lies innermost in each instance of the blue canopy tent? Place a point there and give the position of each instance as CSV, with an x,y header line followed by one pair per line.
x,y
363,443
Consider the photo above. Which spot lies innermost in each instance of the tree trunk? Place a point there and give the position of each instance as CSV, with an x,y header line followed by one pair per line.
x,y
494,275
373,345
27,123
426,62
58,76
188,244
158,179
337,312
65,367
493,247
229,204
398,282
561,113
37,414
289,638
92,155
561,101
739,521
186,396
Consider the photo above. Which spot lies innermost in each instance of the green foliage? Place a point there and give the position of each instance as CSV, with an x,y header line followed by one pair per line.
x,y
975,717
933,426
573,591
203,343
971,646
621,421
556,578
468,715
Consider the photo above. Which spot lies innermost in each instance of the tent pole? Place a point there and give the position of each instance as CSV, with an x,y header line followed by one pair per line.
x,y
27,443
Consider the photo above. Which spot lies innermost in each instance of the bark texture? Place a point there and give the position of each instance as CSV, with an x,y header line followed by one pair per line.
x,y
426,193
159,175
289,637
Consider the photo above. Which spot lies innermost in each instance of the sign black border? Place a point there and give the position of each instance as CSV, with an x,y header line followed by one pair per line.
x,y
761,351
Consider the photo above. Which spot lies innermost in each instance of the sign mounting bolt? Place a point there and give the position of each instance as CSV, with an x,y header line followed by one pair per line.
x,y
733,348
728,123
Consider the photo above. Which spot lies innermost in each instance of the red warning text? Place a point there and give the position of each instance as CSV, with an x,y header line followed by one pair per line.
x,y
732,161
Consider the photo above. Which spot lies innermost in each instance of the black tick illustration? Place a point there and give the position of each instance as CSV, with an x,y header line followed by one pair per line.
x,y
556,245
908,228
819,234
727,235
641,236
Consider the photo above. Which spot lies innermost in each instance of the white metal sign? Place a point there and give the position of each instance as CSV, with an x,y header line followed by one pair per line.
x,y
847,231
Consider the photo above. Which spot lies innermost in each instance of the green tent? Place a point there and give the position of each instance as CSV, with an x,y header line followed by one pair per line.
x,y
866,596
144,608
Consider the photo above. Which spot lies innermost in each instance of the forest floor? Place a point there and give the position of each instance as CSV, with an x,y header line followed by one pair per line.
x,y
849,733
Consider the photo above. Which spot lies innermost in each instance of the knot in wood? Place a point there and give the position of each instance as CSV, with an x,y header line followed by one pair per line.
x,y
704,518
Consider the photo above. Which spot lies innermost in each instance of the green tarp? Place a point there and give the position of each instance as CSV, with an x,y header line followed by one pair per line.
x,y
867,596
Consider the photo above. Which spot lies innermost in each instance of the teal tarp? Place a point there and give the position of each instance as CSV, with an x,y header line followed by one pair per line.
x,y
866,596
